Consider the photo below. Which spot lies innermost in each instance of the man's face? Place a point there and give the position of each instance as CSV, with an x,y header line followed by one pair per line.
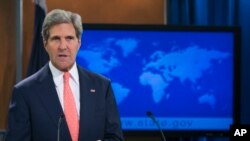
x,y
62,46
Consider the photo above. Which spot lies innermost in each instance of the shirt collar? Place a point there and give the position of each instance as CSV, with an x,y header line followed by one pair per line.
x,y
58,75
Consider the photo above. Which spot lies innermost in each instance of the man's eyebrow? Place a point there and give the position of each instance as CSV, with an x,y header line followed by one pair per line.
x,y
70,36
55,37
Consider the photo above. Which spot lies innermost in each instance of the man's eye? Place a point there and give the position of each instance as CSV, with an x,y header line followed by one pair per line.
x,y
69,38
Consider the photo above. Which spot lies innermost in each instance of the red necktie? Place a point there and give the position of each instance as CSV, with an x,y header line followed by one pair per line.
x,y
70,109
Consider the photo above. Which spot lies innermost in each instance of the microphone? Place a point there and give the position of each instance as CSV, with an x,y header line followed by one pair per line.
x,y
157,124
59,126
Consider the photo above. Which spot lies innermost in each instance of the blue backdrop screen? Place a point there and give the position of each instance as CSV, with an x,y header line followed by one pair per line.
x,y
185,76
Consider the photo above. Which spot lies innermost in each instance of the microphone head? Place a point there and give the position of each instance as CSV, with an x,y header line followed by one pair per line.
x,y
149,113
62,116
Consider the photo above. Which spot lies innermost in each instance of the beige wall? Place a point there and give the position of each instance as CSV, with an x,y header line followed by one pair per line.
x,y
7,55
92,11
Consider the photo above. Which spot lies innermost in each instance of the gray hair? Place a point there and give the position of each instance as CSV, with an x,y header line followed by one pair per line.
x,y
59,16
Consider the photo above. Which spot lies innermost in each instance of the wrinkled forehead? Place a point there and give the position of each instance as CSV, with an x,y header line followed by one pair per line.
x,y
62,29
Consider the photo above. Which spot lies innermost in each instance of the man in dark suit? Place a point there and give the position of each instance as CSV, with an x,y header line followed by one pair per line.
x,y
63,101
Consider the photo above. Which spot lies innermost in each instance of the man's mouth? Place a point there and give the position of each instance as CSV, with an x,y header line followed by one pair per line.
x,y
62,55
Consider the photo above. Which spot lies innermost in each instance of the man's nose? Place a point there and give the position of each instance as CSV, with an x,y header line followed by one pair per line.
x,y
63,44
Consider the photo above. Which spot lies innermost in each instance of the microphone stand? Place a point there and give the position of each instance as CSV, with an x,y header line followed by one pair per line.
x,y
59,126
157,124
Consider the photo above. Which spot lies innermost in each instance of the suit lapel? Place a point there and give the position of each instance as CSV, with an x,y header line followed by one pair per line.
x,y
85,103
48,95
50,100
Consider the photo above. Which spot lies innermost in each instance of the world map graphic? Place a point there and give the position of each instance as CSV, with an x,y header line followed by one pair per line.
x,y
156,70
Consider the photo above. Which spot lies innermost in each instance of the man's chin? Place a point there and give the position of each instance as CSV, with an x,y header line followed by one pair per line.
x,y
64,67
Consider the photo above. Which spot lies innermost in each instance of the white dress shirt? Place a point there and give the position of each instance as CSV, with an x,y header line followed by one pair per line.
x,y
73,82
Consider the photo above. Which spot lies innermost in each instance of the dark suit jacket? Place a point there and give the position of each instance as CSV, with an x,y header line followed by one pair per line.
x,y
35,109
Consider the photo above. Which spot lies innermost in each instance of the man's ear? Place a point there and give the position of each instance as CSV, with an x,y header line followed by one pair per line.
x,y
45,45
79,41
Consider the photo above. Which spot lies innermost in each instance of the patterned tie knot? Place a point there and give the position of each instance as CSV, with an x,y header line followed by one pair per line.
x,y
66,76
